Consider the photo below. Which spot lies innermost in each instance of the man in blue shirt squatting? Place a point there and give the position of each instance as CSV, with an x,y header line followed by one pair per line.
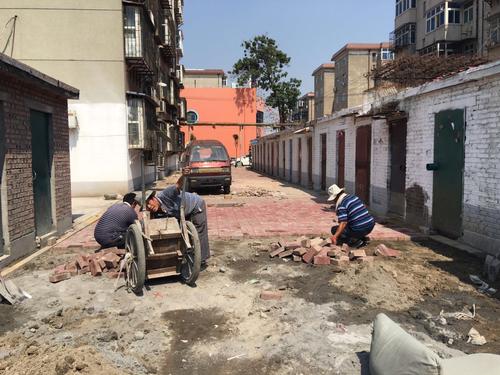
x,y
168,202
112,226
355,222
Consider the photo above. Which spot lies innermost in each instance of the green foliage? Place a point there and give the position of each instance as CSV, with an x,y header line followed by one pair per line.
x,y
284,97
262,66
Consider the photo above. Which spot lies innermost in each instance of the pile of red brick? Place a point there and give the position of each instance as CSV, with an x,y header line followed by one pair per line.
x,y
104,262
321,251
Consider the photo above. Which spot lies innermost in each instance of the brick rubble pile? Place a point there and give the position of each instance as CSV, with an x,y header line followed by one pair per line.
x,y
322,252
104,262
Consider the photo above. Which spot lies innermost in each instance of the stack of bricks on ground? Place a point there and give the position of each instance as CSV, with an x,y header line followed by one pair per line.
x,y
104,262
321,251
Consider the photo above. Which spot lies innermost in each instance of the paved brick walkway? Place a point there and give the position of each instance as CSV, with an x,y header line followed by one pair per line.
x,y
298,212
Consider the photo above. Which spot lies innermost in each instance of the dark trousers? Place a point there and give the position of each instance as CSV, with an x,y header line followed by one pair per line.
x,y
199,219
119,242
349,236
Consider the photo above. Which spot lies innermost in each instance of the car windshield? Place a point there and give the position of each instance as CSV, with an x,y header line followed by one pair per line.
x,y
209,153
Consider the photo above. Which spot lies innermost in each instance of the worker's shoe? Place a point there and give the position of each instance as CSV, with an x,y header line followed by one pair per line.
x,y
358,244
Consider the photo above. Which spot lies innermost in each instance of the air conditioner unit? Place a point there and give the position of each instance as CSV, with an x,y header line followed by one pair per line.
x,y
72,120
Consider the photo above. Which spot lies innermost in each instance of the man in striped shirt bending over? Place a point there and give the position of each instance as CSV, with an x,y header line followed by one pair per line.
x,y
355,222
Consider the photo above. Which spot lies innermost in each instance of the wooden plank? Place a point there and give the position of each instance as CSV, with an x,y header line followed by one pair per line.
x,y
162,272
159,256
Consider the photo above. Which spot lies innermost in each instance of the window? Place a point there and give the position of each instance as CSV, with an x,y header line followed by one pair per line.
x,y
405,35
135,122
495,31
435,18
454,14
404,5
469,14
386,54
209,153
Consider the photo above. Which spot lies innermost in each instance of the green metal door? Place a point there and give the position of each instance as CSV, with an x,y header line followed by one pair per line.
x,y
2,159
41,168
449,157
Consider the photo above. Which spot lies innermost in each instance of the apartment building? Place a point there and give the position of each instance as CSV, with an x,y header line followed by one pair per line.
x,y
124,57
353,63
324,86
493,43
304,111
205,78
442,27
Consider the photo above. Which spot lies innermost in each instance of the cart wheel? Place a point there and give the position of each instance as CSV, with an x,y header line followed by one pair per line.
x,y
135,258
191,262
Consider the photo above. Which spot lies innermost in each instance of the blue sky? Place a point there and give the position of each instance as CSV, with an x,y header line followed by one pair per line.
x,y
309,31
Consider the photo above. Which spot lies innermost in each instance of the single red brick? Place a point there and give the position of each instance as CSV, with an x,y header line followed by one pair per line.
x,y
384,251
102,263
276,252
57,277
292,246
334,253
84,270
321,260
309,256
324,252
60,269
270,295
72,268
300,251
81,261
342,261
95,268
305,242
357,254
285,254
297,258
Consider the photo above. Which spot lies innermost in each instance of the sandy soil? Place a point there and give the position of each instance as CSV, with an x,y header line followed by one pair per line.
x,y
322,324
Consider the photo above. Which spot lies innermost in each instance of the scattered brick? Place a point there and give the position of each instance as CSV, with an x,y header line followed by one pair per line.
x,y
102,263
384,251
95,269
309,256
81,262
297,258
286,253
114,274
72,268
354,254
334,253
316,241
305,242
321,260
111,260
300,251
60,269
274,246
276,252
269,295
292,246
342,261
346,248
114,250
61,276
326,242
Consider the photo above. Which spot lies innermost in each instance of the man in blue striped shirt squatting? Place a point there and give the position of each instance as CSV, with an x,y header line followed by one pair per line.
x,y
355,222
168,203
112,226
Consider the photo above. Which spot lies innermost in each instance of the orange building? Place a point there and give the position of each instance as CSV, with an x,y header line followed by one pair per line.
x,y
213,113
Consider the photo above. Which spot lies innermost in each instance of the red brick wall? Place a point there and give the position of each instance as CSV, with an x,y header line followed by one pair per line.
x,y
19,90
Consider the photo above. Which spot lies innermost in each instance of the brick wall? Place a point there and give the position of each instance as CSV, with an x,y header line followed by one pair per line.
x,y
18,97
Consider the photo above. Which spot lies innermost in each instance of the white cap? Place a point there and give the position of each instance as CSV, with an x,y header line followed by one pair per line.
x,y
333,191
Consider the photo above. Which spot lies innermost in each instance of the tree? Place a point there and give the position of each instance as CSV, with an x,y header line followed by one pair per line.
x,y
262,66
284,97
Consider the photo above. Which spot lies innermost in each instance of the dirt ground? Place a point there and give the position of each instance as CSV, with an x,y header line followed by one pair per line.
x,y
321,325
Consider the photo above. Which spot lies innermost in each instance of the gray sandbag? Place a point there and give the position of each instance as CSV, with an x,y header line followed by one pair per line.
x,y
395,352
480,364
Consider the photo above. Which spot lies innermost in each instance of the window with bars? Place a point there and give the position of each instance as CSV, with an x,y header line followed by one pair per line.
x,y
136,123
132,31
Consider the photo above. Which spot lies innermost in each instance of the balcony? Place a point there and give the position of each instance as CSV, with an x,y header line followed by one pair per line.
x,y
168,44
139,41
141,122
180,44
179,11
